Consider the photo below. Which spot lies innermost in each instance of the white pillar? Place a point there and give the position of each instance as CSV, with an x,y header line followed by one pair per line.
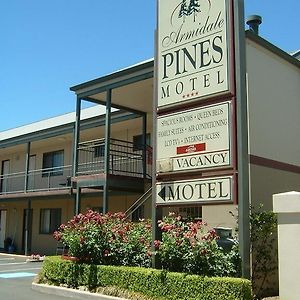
x,y
287,208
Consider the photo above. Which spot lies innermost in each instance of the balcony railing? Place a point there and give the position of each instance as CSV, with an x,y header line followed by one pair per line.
x,y
126,158
38,180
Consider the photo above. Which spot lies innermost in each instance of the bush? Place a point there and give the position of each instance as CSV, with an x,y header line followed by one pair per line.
x,y
107,239
263,240
191,248
263,226
111,240
159,284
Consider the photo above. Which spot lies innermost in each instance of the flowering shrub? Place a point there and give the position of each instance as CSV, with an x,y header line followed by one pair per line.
x,y
106,239
112,240
190,247
130,244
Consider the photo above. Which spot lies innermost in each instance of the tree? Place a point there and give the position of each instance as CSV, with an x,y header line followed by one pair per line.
x,y
193,8
183,10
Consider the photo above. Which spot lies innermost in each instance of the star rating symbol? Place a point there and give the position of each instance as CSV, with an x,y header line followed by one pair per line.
x,y
190,95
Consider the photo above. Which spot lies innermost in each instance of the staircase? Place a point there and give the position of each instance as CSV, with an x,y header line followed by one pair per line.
x,y
139,202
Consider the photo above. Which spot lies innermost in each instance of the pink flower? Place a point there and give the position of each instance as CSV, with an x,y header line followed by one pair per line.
x,y
62,227
157,244
57,235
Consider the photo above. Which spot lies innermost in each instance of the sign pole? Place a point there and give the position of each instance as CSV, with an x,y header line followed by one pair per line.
x,y
156,211
242,139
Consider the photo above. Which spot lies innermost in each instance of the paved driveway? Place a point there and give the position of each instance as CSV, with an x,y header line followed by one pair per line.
x,y
16,276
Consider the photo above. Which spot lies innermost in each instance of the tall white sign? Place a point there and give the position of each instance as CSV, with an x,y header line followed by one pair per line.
x,y
194,139
193,50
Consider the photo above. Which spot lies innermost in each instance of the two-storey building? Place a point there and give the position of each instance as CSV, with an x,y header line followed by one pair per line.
x,y
101,158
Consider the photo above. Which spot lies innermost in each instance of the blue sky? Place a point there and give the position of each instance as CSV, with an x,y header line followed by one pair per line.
x,y
48,46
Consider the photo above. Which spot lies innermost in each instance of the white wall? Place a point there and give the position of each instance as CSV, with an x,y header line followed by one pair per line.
x,y
274,105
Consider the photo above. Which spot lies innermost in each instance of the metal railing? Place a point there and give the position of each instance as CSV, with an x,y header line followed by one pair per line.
x,y
126,158
38,180
138,203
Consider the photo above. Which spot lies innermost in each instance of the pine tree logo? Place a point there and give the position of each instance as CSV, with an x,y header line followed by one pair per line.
x,y
187,10
194,8
183,12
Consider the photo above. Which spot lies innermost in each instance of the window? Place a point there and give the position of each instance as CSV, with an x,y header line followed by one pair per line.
x,y
138,214
53,163
97,209
191,212
50,220
138,141
99,151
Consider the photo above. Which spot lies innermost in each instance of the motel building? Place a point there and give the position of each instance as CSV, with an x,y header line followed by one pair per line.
x,y
101,157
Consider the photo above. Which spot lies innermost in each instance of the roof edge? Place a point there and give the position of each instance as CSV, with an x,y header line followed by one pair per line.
x,y
63,129
271,47
131,69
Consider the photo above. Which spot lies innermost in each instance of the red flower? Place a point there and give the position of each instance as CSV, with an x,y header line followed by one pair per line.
x,y
157,244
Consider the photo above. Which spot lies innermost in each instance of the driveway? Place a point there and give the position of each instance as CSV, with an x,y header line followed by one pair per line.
x,y
16,276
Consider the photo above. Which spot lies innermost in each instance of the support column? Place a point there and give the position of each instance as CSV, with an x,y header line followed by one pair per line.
x,y
77,200
287,207
76,137
107,150
242,139
144,145
27,157
156,232
76,140
28,209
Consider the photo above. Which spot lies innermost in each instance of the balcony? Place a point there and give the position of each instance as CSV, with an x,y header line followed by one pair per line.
x,y
38,180
126,158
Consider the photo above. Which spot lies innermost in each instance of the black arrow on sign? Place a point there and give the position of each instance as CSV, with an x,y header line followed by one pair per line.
x,y
162,193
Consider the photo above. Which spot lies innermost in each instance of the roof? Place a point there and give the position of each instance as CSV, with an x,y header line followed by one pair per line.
x,y
51,122
271,47
60,125
296,54
125,71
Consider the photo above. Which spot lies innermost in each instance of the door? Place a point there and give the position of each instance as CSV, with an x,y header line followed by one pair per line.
x,y
31,175
4,178
27,229
2,227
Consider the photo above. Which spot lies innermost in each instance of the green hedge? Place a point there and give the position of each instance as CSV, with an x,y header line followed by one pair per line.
x,y
154,283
